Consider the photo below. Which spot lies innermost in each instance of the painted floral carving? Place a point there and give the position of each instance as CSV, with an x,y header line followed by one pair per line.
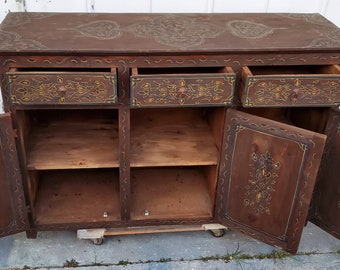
x,y
248,29
263,177
7,39
103,29
177,31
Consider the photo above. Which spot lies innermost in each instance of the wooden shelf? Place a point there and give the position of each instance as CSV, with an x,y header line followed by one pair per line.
x,y
69,144
184,140
170,193
71,196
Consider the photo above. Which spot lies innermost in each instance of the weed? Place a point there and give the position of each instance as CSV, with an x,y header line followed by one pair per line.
x,y
163,260
275,254
71,263
124,263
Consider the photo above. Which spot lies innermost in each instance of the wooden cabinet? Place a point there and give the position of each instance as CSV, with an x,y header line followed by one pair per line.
x,y
117,121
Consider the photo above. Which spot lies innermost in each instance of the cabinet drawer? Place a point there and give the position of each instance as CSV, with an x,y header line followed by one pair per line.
x,y
62,88
184,87
290,86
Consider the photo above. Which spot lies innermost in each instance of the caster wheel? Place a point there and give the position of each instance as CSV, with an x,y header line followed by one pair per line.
x,y
98,241
218,232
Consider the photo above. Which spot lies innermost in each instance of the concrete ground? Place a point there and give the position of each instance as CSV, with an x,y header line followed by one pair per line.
x,y
167,251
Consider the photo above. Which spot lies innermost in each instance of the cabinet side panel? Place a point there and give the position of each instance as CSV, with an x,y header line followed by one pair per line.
x,y
325,210
13,216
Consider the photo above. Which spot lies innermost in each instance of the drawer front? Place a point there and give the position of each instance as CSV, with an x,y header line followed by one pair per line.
x,y
62,88
182,90
290,89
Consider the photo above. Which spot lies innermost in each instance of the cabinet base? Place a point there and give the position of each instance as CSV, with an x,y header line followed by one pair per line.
x,y
95,234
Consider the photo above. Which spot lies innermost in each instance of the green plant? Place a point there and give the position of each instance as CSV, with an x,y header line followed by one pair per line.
x,y
124,263
71,263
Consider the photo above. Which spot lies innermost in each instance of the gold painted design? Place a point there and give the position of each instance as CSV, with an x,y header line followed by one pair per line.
x,y
7,39
182,91
49,89
103,29
177,31
262,182
249,29
291,91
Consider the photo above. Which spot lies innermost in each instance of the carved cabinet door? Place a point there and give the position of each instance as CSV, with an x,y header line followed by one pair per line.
x,y
266,178
13,216
325,209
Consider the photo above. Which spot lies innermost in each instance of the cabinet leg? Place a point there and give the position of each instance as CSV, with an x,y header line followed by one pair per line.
x,y
32,234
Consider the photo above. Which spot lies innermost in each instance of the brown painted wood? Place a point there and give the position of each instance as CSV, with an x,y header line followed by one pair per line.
x,y
169,46
157,33
13,215
267,175
62,88
77,196
170,193
325,210
291,86
177,87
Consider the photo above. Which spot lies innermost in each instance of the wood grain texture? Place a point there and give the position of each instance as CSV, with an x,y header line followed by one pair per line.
x,y
171,138
66,144
170,193
77,196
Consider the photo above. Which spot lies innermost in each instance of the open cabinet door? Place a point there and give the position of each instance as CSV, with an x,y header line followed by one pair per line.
x,y
266,179
13,216
325,208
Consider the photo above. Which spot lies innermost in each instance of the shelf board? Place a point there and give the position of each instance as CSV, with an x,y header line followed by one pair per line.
x,y
170,193
69,145
173,144
75,196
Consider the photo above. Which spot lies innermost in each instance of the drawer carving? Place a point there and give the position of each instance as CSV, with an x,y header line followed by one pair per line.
x,y
150,90
290,86
62,88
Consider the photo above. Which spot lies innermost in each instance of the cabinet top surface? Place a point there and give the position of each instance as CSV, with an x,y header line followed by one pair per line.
x,y
165,33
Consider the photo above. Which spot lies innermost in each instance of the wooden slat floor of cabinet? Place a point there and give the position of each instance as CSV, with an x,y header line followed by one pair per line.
x,y
69,145
75,196
170,193
163,143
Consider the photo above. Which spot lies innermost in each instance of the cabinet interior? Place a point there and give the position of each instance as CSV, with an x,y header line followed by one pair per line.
x,y
72,159
310,118
174,161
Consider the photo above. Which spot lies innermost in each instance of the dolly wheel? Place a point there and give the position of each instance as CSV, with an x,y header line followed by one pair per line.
x,y
218,232
98,241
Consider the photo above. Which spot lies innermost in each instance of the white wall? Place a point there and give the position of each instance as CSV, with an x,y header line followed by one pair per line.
x,y
329,8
